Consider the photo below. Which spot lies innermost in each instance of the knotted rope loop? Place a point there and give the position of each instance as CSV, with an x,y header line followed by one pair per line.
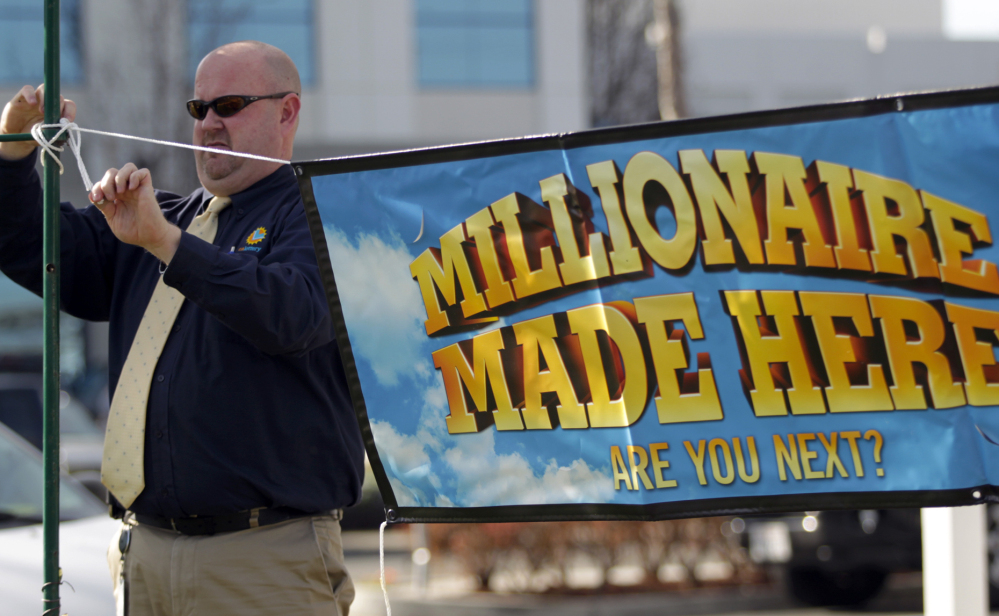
x,y
49,147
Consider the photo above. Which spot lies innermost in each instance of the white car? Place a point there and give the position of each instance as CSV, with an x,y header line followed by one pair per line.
x,y
84,533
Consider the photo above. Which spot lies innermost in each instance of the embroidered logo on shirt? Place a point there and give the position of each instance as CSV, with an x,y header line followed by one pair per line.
x,y
257,236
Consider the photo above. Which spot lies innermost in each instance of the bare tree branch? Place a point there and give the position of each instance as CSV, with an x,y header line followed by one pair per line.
x,y
622,64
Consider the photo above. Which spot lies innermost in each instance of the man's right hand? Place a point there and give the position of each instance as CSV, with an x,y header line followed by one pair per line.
x,y
26,109
129,204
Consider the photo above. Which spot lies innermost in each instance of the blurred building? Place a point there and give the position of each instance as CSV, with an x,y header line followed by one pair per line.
x,y
378,74
390,74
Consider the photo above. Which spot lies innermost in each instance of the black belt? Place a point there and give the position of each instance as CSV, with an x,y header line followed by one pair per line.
x,y
209,525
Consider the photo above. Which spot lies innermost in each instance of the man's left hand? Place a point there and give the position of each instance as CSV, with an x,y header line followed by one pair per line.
x,y
125,197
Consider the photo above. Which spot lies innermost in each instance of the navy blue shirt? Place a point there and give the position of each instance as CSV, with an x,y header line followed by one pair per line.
x,y
249,406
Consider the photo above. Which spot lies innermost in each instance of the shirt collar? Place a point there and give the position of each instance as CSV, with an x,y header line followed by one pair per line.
x,y
243,202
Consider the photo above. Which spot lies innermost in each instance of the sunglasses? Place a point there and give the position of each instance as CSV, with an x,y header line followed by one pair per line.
x,y
227,106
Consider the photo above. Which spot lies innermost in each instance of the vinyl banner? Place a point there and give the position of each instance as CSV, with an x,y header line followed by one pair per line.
x,y
790,310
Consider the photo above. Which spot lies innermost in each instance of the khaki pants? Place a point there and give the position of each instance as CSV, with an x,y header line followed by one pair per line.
x,y
295,567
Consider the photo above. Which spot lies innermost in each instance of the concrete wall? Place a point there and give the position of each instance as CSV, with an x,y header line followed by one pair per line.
x,y
910,17
765,54
729,74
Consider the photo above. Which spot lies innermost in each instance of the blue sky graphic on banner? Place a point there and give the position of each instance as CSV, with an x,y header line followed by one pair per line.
x,y
916,418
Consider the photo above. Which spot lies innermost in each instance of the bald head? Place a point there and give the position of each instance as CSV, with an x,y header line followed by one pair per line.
x,y
274,65
266,127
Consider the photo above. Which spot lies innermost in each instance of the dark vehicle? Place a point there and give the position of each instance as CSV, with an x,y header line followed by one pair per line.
x,y
81,441
843,558
81,436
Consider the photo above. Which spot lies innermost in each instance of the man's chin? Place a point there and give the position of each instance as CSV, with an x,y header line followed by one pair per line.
x,y
213,170
218,176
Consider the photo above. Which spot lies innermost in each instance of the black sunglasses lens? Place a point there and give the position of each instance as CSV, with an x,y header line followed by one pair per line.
x,y
228,105
197,109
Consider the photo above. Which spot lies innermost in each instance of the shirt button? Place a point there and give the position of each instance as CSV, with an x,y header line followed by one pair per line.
x,y
166,492
239,211
159,434
159,379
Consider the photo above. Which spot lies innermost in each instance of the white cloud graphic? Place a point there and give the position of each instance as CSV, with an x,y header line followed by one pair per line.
x,y
486,478
406,462
383,308
482,477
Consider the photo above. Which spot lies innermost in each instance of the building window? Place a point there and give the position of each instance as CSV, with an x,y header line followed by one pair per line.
x,y
22,42
475,43
286,24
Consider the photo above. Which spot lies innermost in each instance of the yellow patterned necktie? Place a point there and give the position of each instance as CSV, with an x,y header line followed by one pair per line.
x,y
124,441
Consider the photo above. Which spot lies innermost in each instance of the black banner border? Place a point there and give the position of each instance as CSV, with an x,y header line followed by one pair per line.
x,y
745,505
882,105
749,505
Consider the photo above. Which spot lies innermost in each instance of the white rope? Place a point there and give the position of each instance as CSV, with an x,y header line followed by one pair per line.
x,y
72,130
381,561
49,147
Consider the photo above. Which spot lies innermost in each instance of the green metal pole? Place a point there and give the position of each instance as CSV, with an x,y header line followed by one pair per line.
x,y
17,137
50,335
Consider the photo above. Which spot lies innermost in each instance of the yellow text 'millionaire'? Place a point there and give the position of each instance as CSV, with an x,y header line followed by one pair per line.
x,y
762,211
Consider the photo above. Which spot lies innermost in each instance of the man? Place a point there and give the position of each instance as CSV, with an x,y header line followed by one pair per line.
x,y
231,441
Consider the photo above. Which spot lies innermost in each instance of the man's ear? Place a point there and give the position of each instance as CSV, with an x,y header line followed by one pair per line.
x,y
290,108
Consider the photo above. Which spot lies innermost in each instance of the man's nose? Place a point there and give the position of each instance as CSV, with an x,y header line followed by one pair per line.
x,y
212,121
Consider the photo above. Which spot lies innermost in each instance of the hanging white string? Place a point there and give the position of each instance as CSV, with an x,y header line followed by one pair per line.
x,y
381,562
72,131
